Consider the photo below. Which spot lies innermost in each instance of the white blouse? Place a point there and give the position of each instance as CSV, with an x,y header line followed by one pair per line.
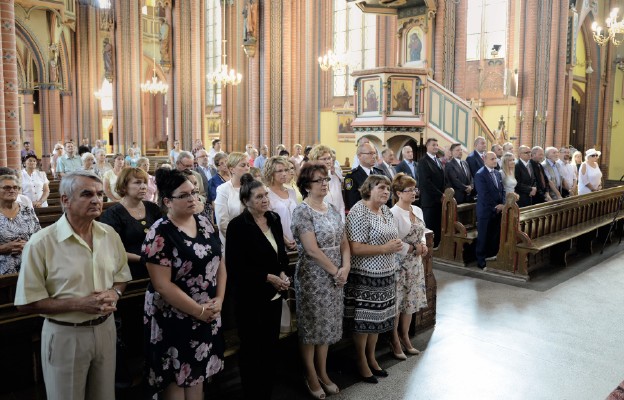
x,y
509,182
404,224
32,185
334,195
592,175
284,208
227,207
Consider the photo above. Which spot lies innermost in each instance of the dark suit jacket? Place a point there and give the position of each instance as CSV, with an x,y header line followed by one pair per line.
x,y
489,195
249,257
430,182
404,167
457,179
352,183
204,178
541,182
524,185
475,162
385,170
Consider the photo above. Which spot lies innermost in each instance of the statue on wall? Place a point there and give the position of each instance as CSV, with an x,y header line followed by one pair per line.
x,y
165,39
107,54
250,17
54,67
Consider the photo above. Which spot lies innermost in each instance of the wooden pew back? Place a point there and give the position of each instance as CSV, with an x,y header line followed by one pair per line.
x,y
458,229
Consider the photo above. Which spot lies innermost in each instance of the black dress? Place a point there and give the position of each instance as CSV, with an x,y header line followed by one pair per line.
x,y
181,349
132,231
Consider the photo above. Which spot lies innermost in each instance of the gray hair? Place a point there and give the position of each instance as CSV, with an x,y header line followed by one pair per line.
x,y
535,150
97,152
7,177
184,154
142,160
68,183
87,155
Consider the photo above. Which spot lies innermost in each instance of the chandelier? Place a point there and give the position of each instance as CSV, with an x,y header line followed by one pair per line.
x,y
223,75
614,27
332,60
155,86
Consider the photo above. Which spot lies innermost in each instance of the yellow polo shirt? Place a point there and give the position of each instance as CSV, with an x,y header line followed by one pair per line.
x,y
58,264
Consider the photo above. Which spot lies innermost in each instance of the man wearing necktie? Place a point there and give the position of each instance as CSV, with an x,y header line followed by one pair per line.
x,y
541,181
458,177
476,159
367,156
387,159
431,185
490,202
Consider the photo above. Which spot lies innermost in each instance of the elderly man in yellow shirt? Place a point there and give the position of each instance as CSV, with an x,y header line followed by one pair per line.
x,y
73,273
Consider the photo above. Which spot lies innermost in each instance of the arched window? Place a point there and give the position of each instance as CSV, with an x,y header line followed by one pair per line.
x,y
486,28
355,37
213,49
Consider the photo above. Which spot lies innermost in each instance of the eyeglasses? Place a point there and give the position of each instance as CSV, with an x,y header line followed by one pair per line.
x,y
593,155
322,180
526,152
186,196
373,152
325,159
9,188
410,190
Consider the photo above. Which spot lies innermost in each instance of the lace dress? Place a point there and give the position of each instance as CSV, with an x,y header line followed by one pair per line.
x,y
319,302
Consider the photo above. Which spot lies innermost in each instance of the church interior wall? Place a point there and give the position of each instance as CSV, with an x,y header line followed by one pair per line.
x,y
616,165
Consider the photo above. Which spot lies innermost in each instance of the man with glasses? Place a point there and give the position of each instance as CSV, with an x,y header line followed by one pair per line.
x,y
73,274
526,187
367,157
185,161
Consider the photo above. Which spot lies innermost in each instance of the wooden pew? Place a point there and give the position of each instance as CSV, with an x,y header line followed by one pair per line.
x,y
20,339
459,231
545,233
49,215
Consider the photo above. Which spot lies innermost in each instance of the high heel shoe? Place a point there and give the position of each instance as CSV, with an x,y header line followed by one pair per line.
x,y
410,349
400,355
317,394
332,388
382,373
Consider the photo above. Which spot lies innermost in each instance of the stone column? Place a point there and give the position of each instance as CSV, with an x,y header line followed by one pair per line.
x,y
10,113
28,109
128,51
3,137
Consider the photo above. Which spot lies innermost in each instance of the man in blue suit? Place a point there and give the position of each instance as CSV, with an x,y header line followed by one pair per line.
x,y
490,202
475,159
408,166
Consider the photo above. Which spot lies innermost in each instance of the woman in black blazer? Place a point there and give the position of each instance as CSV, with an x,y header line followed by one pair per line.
x,y
256,262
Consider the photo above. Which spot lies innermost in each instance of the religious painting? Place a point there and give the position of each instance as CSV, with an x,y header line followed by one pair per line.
x,y
415,47
370,95
344,123
213,124
403,95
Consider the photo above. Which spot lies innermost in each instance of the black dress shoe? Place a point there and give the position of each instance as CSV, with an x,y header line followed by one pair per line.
x,y
369,379
379,372
482,266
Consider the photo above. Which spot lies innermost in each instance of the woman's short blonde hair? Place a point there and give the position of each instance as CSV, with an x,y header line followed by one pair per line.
x,y
126,175
400,183
370,183
268,171
318,151
234,158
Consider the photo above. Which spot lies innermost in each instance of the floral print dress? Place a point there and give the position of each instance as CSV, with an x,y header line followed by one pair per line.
x,y
181,349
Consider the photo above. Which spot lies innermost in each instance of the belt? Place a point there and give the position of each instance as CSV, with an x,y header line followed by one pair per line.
x,y
91,322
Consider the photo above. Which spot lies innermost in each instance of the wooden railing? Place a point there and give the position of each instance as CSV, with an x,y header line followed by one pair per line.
x,y
459,231
545,233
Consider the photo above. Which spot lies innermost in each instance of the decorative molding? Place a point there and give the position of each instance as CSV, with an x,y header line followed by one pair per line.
x,y
412,12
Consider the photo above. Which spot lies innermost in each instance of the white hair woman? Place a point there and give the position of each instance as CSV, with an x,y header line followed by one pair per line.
x,y
590,176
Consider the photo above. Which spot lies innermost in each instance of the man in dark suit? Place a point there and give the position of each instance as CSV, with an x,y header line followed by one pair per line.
x,y
202,168
431,186
541,180
457,175
498,150
475,159
408,166
525,188
490,202
367,156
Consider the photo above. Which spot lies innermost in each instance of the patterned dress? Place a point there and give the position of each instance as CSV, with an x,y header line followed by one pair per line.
x,y
319,301
411,293
21,227
371,289
180,348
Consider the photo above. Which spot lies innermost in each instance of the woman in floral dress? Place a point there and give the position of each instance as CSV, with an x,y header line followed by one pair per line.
x,y
411,294
184,342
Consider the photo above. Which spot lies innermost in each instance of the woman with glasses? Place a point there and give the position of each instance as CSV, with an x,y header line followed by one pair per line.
x,y
227,203
322,270
257,267
132,216
17,224
58,152
283,199
370,290
35,182
411,294
334,197
590,176
184,342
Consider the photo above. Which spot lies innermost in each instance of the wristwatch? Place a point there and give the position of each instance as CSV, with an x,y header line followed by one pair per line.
x,y
118,292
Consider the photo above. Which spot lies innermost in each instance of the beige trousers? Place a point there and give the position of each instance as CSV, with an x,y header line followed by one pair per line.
x,y
79,362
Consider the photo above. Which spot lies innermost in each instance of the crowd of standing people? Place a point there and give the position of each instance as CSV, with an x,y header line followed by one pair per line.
x,y
205,219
